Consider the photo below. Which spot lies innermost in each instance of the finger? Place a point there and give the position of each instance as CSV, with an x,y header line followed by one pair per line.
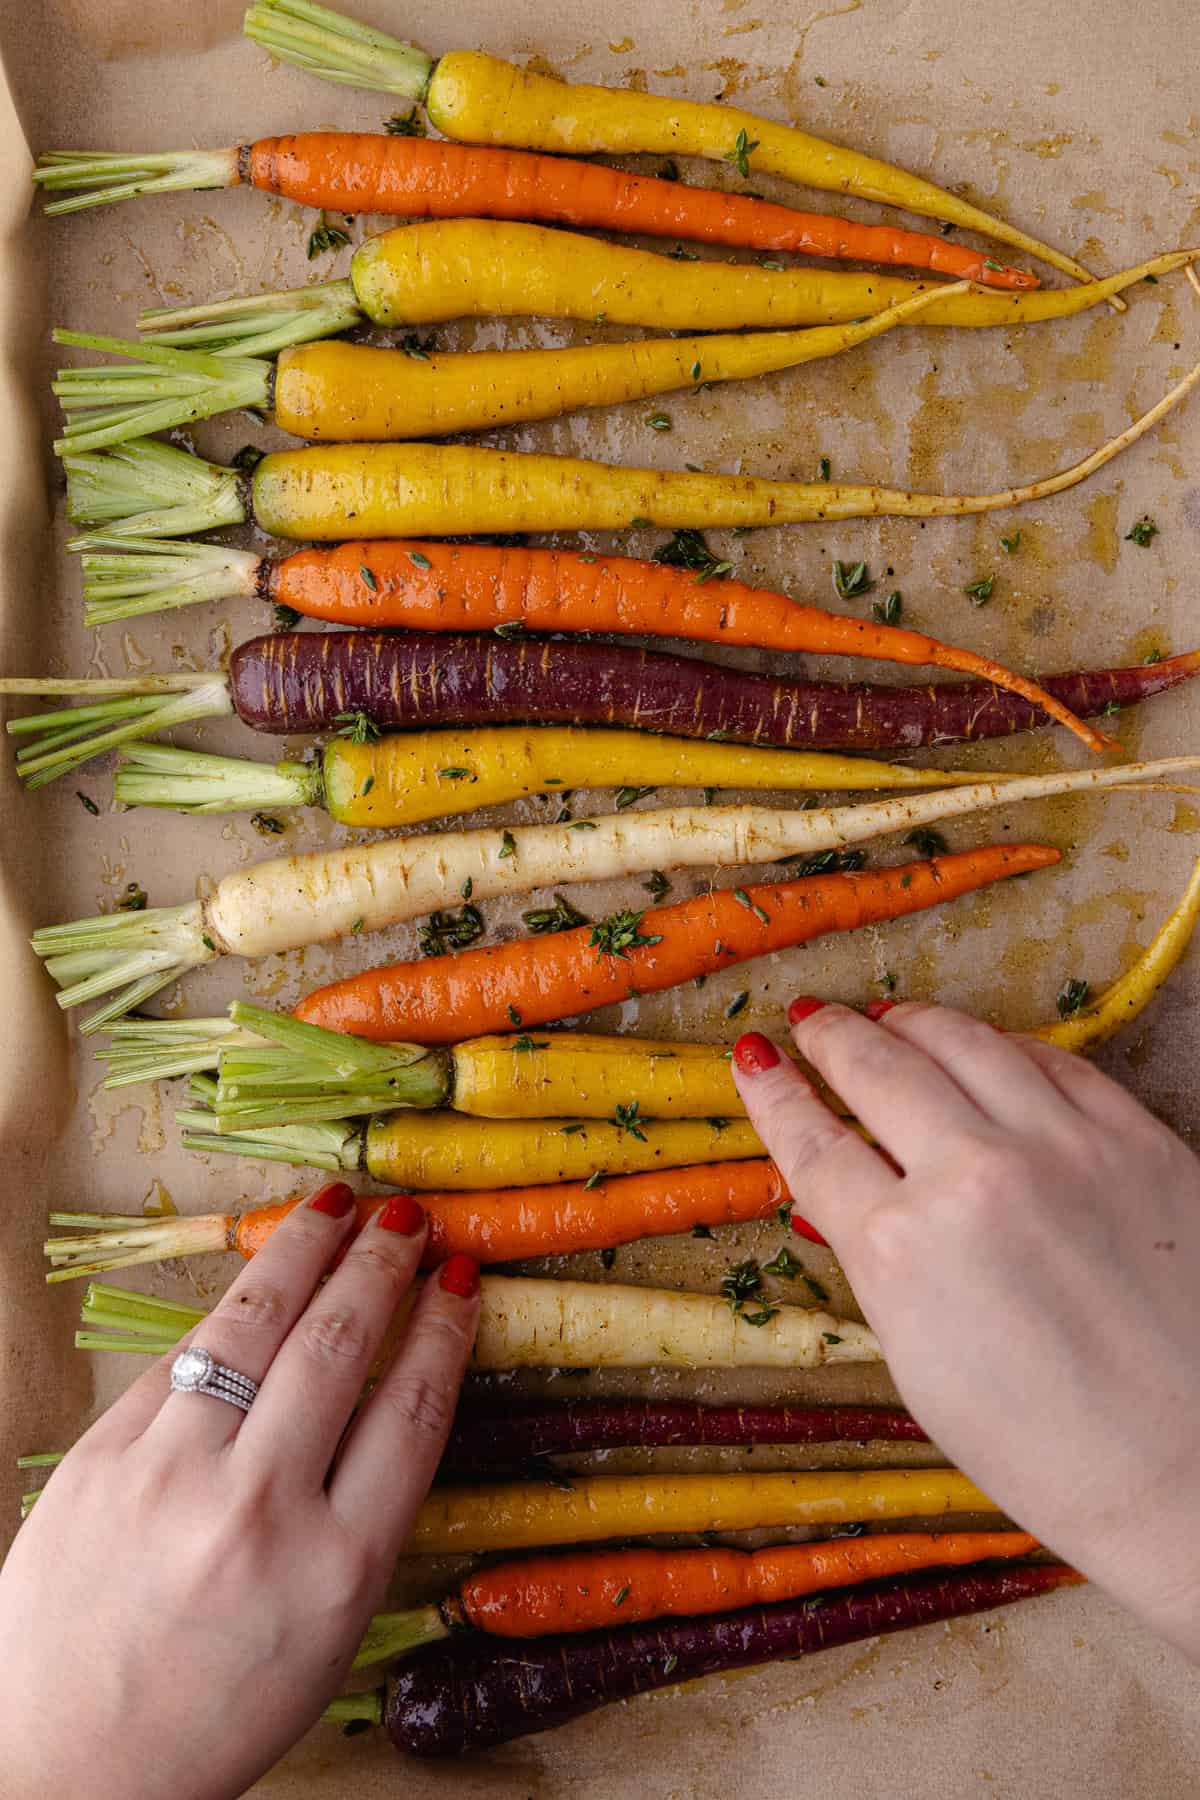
x,y
1100,1099
315,1381
831,1174
987,1065
392,1452
249,1323
129,1415
902,1097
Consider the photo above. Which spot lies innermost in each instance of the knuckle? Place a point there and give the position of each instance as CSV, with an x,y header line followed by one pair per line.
x,y
418,1404
377,1257
336,1335
257,1306
887,1237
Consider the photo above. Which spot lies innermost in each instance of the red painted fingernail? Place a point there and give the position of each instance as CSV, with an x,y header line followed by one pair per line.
x,y
403,1214
803,1229
879,1009
460,1276
802,1008
754,1054
335,1199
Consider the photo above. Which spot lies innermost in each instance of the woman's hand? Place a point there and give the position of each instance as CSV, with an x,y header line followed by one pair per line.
x,y
1030,1258
194,1581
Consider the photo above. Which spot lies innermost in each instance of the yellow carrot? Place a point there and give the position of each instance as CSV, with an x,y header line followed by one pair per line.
x,y
575,1075
518,1515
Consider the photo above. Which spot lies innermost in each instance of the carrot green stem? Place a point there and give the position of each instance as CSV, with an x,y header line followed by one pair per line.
x,y
70,736
338,49
162,388
103,177
103,1241
256,324
136,953
146,489
367,1706
45,1459
306,1143
193,781
126,577
396,1634
138,1323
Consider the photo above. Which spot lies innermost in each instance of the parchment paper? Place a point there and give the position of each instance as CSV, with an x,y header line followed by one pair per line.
x,y
1080,123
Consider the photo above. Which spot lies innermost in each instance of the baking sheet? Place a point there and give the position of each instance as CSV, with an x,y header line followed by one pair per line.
x,y
1083,126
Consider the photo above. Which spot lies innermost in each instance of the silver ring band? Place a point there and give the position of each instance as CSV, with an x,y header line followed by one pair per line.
x,y
195,1371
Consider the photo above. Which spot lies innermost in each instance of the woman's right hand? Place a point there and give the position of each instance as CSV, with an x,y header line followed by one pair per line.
x,y
1030,1258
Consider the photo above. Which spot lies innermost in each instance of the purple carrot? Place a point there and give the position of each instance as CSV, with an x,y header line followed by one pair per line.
x,y
490,1437
295,682
477,1692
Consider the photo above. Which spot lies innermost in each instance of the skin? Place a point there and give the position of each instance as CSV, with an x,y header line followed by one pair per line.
x,y
201,1578
1035,1218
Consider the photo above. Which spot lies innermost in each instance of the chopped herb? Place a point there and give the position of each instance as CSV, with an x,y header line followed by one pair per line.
x,y
514,1016
741,1282
672,1662
450,931
247,458
989,264
1152,279
851,579
947,228
831,1337
208,943
688,549
702,1231
906,881
709,795
639,523
770,262
669,170
467,888
415,347
367,785
980,592
887,981
739,156
134,899
1011,544
743,899
286,618
627,796
681,253
927,842
359,727
784,1212
570,1130
513,628
887,612
814,1287
657,885
625,1118
784,1265
737,1004
578,824
1142,532
820,81
368,576
621,1597
1112,706
266,824
1073,995
695,377
607,1259
763,1316
718,1125
456,773
562,916
824,469
87,803
525,1043
421,561
658,422
355,1727
593,1180
508,845
326,237
409,124
829,862
357,926
619,934
1151,657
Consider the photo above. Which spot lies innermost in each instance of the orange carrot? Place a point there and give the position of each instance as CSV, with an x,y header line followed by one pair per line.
x,y
535,980
429,586
492,1225
540,1595
423,178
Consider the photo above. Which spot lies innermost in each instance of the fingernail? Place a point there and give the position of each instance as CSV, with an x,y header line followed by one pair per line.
x,y
754,1054
460,1276
802,1008
403,1214
803,1229
879,1009
335,1199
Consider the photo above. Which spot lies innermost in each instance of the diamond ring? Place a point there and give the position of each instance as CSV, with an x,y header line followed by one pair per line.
x,y
195,1371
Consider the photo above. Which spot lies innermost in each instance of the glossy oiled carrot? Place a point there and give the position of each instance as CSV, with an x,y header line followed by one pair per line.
x,y
493,1226
547,978
426,178
540,1595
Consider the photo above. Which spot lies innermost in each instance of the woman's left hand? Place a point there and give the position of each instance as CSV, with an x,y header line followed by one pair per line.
x,y
191,1588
